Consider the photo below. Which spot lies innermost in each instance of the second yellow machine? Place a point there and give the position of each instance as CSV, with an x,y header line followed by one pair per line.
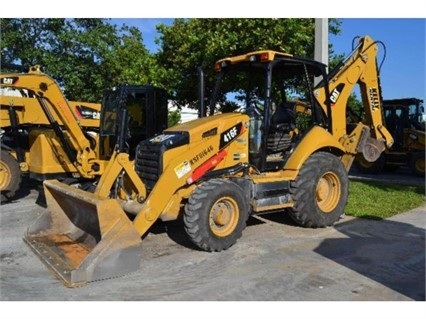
x,y
45,136
286,146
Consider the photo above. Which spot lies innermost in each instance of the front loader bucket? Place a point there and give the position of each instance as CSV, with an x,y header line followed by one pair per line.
x,y
83,237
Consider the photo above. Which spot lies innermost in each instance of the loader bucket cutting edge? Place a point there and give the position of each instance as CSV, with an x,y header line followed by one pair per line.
x,y
82,237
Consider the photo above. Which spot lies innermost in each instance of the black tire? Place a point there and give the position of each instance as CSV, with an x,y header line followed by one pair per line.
x,y
216,214
365,167
10,176
417,164
320,191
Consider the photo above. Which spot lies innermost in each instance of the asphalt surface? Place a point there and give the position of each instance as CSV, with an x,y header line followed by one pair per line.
x,y
275,260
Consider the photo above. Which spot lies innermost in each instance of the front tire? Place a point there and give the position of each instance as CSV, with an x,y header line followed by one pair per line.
x,y
320,191
10,176
215,215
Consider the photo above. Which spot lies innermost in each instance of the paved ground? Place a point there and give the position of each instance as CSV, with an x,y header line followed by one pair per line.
x,y
355,260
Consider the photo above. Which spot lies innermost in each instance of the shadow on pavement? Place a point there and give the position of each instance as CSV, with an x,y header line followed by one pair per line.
x,y
388,252
27,185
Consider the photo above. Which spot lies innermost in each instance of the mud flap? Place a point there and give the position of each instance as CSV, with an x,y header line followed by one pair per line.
x,y
82,237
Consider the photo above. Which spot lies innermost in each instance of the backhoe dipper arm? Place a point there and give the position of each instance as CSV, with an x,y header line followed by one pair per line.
x,y
57,109
360,67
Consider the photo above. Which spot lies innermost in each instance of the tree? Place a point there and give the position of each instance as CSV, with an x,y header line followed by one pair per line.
x,y
190,43
174,117
85,56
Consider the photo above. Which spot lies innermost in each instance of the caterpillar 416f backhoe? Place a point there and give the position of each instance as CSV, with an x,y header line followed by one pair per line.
x,y
286,147
45,136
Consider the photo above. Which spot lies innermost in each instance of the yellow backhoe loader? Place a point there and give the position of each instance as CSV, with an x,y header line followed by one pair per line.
x,y
404,120
45,136
286,147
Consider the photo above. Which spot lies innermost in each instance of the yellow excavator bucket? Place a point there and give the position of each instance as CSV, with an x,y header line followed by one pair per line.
x,y
83,237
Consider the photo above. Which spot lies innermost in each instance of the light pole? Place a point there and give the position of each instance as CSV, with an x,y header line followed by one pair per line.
x,y
321,40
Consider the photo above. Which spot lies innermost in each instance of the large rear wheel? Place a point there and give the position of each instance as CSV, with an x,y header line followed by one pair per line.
x,y
10,176
417,163
216,215
320,191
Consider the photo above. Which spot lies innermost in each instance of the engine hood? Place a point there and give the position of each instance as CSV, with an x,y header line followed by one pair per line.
x,y
205,127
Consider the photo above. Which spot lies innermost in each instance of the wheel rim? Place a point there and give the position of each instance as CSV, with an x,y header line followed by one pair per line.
x,y
420,165
224,217
328,192
365,164
5,175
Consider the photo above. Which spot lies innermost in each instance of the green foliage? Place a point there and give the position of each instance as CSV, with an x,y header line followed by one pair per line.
x,y
303,121
377,200
85,56
335,60
188,44
174,118
355,108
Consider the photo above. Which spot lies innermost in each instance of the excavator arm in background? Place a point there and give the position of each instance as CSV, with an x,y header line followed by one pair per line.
x,y
57,112
47,137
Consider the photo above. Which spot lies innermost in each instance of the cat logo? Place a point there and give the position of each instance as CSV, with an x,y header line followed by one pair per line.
x,y
8,80
335,94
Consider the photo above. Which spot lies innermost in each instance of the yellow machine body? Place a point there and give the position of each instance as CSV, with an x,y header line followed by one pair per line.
x,y
46,136
215,171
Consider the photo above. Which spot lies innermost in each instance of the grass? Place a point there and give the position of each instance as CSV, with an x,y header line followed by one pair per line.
x,y
377,200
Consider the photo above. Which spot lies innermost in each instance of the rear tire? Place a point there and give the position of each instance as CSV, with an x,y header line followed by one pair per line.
x,y
417,164
10,176
365,167
320,191
215,215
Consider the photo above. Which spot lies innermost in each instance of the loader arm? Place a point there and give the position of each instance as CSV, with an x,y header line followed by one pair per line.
x,y
28,111
361,68
59,115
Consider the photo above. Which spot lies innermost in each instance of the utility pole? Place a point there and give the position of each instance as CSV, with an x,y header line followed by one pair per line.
x,y
321,40
321,43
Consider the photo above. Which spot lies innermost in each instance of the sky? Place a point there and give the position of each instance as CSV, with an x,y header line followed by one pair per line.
x,y
403,70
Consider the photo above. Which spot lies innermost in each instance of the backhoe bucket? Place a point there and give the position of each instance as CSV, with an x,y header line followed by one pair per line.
x,y
83,237
372,149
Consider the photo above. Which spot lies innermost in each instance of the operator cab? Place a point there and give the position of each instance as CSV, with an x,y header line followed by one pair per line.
x,y
402,115
146,116
276,90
